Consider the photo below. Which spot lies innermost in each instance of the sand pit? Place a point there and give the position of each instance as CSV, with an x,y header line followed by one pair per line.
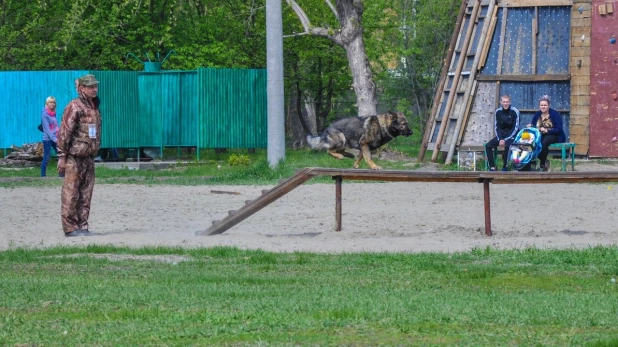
x,y
377,217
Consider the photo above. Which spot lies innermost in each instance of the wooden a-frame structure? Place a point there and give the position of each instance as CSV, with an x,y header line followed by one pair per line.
x,y
524,48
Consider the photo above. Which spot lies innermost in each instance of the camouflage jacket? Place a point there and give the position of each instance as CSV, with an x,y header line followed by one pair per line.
x,y
80,129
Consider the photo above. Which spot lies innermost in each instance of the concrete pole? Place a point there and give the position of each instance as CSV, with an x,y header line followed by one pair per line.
x,y
274,63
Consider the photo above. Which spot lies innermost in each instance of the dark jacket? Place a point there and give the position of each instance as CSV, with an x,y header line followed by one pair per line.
x,y
556,121
507,123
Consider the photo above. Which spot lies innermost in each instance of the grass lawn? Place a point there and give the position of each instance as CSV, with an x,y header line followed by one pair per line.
x,y
107,296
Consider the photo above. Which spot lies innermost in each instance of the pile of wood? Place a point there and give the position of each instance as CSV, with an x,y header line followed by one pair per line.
x,y
28,155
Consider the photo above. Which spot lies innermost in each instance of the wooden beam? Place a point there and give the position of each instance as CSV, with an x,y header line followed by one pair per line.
x,y
501,46
522,78
532,110
490,37
466,176
535,33
534,3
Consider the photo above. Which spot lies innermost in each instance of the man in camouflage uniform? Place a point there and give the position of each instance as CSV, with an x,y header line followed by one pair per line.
x,y
79,139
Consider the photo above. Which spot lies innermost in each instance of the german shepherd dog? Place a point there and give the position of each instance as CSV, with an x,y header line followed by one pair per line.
x,y
363,133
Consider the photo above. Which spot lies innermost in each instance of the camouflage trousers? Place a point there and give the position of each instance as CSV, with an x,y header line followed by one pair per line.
x,y
77,193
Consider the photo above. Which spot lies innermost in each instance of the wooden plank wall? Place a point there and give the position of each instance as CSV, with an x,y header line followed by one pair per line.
x,y
580,75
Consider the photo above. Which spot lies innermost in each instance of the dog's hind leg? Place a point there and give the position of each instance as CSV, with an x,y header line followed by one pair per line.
x,y
366,153
335,154
346,154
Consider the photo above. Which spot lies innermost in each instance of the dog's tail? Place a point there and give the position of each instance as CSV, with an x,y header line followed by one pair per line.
x,y
316,142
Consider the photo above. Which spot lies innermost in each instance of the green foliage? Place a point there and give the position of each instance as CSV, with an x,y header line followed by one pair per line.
x,y
64,35
103,295
240,159
405,41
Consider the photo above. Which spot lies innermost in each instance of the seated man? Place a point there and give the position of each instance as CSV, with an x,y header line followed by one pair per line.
x,y
505,126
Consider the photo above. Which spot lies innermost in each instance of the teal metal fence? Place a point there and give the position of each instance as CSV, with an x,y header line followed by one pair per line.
x,y
232,108
168,106
207,108
22,99
118,91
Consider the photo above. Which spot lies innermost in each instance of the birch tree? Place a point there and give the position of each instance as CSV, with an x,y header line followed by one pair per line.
x,y
349,35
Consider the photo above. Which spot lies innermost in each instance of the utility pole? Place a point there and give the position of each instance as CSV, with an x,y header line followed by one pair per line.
x,y
274,71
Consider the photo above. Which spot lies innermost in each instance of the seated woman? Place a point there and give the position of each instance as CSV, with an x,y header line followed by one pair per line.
x,y
549,123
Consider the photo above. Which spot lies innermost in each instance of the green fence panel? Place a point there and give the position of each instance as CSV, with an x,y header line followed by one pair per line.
x,y
150,114
118,91
179,106
232,108
168,108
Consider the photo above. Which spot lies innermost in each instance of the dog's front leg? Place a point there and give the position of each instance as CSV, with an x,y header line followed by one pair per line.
x,y
366,153
358,160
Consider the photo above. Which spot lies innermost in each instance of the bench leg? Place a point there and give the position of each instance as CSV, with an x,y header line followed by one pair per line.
x,y
563,159
572,158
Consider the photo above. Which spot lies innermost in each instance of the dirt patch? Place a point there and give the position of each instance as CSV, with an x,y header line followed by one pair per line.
x,y
172,259
389,217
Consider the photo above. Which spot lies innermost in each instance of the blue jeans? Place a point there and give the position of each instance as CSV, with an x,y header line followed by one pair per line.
x,y
47,146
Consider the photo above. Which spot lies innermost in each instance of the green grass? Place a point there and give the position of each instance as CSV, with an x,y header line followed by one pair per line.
x,y
215,169
231,297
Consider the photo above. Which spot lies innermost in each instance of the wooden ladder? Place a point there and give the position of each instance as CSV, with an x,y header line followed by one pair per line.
x,y
456,93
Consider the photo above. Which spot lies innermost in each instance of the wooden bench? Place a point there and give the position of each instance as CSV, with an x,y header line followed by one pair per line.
x,y
563,147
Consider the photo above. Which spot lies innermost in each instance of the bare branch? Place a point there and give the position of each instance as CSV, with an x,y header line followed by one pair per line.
x,y
306,23
332,8
302,16
295,35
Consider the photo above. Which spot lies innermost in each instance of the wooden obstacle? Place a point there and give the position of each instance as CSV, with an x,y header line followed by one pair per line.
x,y
302,176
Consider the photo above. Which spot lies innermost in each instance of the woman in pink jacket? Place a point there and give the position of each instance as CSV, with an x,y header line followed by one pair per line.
x,y
50,132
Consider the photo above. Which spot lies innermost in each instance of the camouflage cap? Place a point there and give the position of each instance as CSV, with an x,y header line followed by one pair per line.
x,y
87,80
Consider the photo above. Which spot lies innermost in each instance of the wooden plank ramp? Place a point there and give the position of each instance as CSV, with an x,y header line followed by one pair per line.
x,y
302,176
252,206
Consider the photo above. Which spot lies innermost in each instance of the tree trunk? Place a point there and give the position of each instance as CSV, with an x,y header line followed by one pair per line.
x,y
362,79
349,36
351,39
299,110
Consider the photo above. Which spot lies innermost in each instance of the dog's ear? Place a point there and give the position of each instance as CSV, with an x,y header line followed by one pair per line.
x,y
394,117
